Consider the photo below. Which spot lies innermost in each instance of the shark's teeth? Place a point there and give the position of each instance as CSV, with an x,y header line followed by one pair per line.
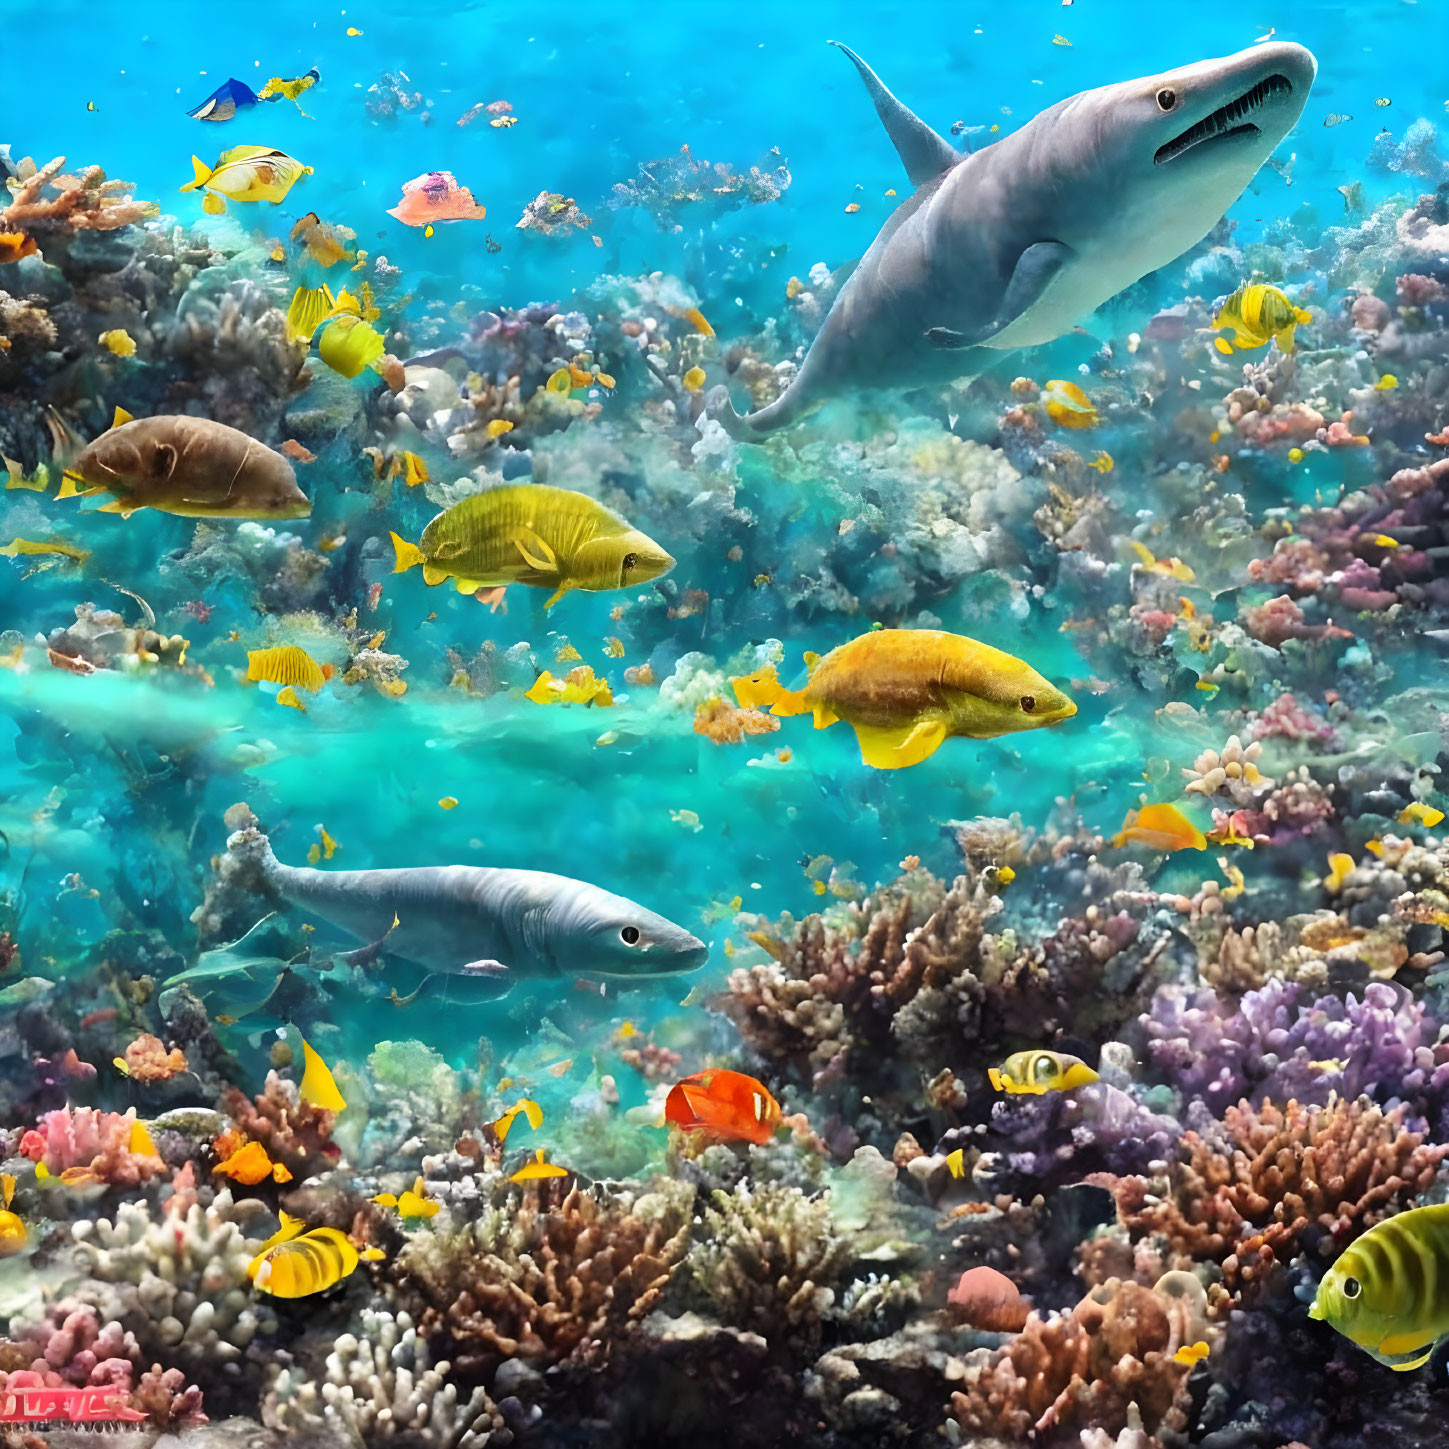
x,y
1228,120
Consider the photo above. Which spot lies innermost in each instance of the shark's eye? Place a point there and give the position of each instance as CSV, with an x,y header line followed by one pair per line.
x,y
1028,703
1352,1287
630,561
630,935
1167,99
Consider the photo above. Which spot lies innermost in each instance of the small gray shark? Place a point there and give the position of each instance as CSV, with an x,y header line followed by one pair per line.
x,y
1017,243
476,922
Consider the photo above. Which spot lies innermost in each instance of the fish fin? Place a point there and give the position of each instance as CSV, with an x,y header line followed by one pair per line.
x,y
467,586
1036,268
121,418
1223,345
1423,1358
557,594
487,967
1285,338
409,555
923,153
68,489
1396,1345
432,574
542,557
997,1079
1301,314
824,716
65,443
317,1088
124,506
947,340
213,205
895,749
202,173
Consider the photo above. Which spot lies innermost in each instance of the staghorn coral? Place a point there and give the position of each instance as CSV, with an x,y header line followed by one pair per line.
x,y
1084,1369
86,202
1266,1184
380,1385
768,1261
547,1282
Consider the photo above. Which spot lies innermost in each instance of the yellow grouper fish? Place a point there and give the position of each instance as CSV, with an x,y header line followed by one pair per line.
x,y
903,691
1254,313
527,533
246,173
1035,1072
1386,1290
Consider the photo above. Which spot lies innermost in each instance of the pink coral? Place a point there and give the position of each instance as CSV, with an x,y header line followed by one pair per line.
x,y
1370,313
1416,290
1340,434
85,1137
1280,619
1286,719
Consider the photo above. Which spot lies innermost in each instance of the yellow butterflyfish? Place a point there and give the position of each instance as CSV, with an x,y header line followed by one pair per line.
x,y
317,1087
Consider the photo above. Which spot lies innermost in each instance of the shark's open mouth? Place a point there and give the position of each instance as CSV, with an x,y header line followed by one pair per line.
x,y
1227,120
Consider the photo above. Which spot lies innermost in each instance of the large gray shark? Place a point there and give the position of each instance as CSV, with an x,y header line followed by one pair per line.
x,y
1017,243
475,922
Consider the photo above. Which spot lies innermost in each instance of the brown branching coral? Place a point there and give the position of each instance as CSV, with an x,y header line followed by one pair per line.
x,y
726,724
293,1132
1085,1368
1274,1183
548,1282
768,1262
87,202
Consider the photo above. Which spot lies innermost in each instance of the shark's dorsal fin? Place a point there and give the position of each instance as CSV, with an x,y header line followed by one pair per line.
x,y
924,154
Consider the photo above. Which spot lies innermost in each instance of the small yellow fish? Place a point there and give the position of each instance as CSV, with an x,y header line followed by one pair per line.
x,y
1374,1292
1068,405
956,1163
1060,40
1171,568
448,802
1005,875
309,308
246,173
1035,1072
29,548
414,1203
530,1110
1339,865
280,88
118,342
561,382
1160,827
1296,455
1386,383
696,319
428,230
12,1229
317,1088
1102,462
693,380
348,344
498,427
537,1170
1255,314
291,699
287,664
1418,813
1191,1353
294,1264
1383,101
140,1141
578,686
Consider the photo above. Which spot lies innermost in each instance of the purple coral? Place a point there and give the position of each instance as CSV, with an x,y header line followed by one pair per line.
x,y
1275,1045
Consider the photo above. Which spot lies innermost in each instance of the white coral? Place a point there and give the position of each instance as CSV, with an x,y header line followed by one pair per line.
x,y
1233,770
381,1385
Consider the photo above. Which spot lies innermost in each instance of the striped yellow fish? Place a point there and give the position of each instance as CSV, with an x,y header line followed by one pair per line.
x,y
1035,1072
527,533
295,1264
1386,1291
1255,313
287,664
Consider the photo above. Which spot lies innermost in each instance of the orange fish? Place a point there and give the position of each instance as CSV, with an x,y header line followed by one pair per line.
x,y
250,1165
726,1106
1160,827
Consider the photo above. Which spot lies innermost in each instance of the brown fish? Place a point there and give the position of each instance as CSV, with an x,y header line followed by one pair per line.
x,y
193,467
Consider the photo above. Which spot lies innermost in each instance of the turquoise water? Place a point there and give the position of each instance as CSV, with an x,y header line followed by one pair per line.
x,y
114,783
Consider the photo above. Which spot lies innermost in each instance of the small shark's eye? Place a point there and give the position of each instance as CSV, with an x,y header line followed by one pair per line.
x,y
630,561
630,935
1352,1287
1028,703
1166,99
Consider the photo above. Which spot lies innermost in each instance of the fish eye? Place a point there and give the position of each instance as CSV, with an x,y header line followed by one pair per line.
x,y
1352,1287
1167,99
1028,703
630,561
630,935
1044,1066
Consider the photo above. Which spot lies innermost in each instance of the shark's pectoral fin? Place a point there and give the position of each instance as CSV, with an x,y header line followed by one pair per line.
x,y
924,154
1035,270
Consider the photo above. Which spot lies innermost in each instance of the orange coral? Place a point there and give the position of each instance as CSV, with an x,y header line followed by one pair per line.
x,y
87,202
727,725
148,1061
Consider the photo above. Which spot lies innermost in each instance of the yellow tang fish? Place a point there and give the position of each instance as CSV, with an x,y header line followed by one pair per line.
x,y
578,686
348,344
1254,314
294,1264
904,691
317,1088
537,1170
118,341
246,173
1160,827
1380,1291
287,664
1418,813
1068,405
12,1227
531,1112
309,309
529,533
1035,1072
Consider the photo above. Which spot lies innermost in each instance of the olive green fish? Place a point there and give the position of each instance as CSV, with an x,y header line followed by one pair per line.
x,y
193,467
1253,314
1386,1291
527,533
